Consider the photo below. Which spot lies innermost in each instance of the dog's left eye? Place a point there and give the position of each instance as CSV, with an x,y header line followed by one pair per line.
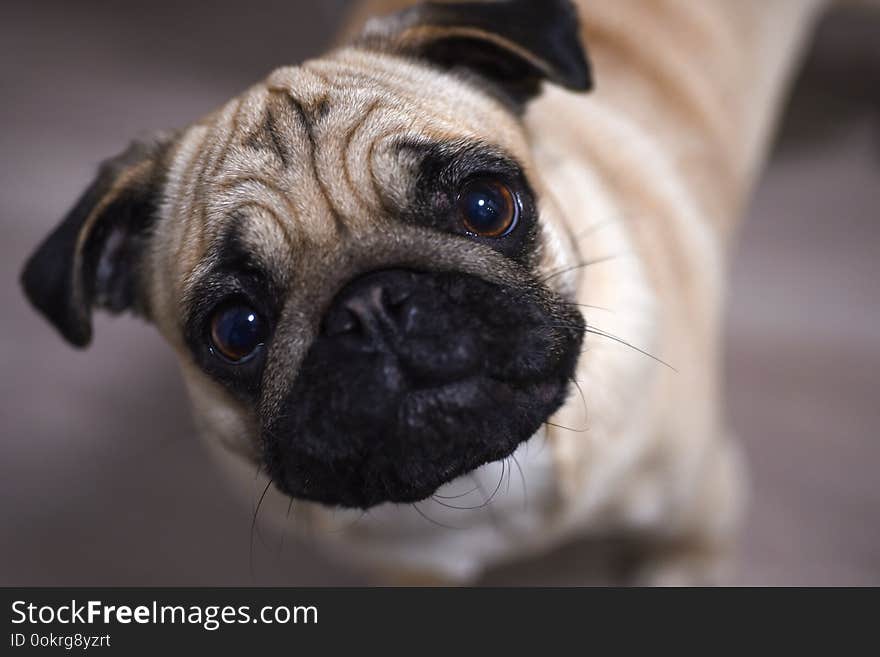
x,y
236,331
488,208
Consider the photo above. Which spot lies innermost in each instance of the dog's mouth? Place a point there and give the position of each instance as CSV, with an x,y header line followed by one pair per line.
x,y
417,385
437,435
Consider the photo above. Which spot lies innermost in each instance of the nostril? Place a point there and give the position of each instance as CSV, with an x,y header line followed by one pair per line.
x,y
396,296
385,308
399,306
340,321
405,314
374,308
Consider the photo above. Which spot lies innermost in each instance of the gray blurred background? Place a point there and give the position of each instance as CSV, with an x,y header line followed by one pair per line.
x,y
102,480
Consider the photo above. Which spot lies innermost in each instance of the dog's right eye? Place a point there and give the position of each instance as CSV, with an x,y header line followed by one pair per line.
x,y
488,208
236,332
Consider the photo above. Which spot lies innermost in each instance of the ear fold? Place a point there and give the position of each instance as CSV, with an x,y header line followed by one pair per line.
x,y
93,258
514,43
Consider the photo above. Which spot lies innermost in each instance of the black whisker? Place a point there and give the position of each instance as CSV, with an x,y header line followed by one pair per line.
x,y
455,497
431,520
254,526
284,531
498,487
560,426
603,334
580,265
486,501
259,533
577,385
522,478
459,508
587,305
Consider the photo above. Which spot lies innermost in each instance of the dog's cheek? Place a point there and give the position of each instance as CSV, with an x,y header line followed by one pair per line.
x,y
558,248
222,421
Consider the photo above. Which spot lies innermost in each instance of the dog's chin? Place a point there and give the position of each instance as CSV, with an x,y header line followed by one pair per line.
x,y
436,435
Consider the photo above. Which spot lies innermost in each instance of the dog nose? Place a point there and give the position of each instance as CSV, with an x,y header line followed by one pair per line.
x,y
373,307
400,327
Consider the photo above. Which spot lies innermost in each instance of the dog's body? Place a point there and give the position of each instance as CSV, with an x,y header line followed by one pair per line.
x,y
638,186
656,165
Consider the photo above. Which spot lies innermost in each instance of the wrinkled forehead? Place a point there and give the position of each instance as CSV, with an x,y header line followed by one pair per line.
x,y
313,153
378,93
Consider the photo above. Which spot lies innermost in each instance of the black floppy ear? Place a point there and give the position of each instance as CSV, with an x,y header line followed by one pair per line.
x,y
514,43
93,258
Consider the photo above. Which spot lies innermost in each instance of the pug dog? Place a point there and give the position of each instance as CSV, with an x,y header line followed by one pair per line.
x,y
454,287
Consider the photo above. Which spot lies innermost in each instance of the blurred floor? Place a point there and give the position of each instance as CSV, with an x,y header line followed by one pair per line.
x,y
102,480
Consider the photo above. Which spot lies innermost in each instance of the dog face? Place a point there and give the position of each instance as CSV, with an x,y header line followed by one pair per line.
x,y
353,260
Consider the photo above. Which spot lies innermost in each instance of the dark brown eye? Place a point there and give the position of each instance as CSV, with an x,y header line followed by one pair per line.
x,y
488,208
236,332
